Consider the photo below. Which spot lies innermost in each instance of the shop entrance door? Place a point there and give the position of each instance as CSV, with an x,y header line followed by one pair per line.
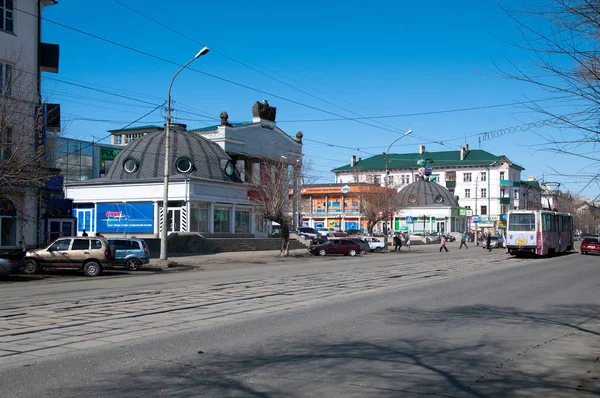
x,y
174,220
441,226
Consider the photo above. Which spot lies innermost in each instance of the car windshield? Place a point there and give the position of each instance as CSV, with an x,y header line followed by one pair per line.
x,y
591,240
521,222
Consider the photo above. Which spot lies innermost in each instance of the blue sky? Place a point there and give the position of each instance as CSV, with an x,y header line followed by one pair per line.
x,y
345,59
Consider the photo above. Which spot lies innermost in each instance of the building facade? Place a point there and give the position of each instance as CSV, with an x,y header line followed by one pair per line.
x,y
485,185
25,203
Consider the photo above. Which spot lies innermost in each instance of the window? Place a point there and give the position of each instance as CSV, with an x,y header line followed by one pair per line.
x,y
242,221
468,207
502,175
390,180
484,176
130,137
435,177
7,18
6,144
484,192
405,179
467,193
502,192
5,77
59,245
118,139
184,164
199,217
451,176
467,177
130,165
222,216
516,194
376,180
483,210
81,244
521,222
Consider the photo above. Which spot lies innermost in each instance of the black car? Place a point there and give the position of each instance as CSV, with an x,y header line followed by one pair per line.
x,y
364,245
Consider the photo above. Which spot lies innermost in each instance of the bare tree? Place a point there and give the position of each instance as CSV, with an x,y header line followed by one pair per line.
x,y
22,163
565,49
379,205
271,190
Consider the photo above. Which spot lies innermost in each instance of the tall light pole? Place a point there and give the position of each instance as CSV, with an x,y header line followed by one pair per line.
x,y
386,184
163,232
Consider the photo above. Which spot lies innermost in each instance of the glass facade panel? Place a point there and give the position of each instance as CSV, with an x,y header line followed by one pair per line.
x,y
199,217
222,218
8,231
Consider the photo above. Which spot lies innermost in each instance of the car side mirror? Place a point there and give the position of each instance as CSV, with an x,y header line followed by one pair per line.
x,y
51,249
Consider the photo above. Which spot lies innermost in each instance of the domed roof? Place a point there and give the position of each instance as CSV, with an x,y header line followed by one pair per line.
x,y
190,156
427,194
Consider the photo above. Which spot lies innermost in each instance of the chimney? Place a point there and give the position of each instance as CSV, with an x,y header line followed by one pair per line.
x,y
462,152
352,160
359,159
421,149
530,178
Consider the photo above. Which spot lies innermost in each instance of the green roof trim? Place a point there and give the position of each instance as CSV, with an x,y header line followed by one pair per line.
x,y
475,157
148,127
533,184
209,128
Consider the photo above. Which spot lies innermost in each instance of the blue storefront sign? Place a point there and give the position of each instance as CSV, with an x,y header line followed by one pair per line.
x,y
125,217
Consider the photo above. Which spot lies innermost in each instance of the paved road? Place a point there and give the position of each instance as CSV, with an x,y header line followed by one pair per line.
x,y
466,323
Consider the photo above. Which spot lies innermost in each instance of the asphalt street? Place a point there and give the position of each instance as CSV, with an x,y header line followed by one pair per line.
x,y
466,323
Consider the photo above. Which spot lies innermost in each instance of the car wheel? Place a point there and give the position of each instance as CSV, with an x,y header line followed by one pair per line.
x,y
133,264
322,252
31,267
352,253
377,249
363,252
92,268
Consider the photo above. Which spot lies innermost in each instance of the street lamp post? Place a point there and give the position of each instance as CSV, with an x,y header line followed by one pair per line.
x,y
387,179
163,232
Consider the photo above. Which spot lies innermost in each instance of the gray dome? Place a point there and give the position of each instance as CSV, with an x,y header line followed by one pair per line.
x,y
190,156
427,194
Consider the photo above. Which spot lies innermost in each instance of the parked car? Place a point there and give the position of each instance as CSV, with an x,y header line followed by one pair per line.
x,y
495,242
339,233
307,232
11,262
130,252
90,254
364,245
325,231
338,246
375,244
590,245
432,238
352,232
449,238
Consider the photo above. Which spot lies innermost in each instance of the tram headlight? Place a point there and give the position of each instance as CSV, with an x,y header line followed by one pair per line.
x,y
509,236
531,237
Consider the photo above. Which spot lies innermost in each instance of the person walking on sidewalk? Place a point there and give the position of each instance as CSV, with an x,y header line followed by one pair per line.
x,y
488,242
407,240
443,244
463,240
397,243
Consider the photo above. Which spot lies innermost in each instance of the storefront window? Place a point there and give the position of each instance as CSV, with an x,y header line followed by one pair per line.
x,y
259,224
8,231
242,221
222,217
199,217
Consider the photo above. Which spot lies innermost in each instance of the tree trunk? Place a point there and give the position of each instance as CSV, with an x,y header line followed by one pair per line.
x,y
385,235
285,240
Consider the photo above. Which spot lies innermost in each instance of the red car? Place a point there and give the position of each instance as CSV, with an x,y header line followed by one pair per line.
x,y
590,245
338,246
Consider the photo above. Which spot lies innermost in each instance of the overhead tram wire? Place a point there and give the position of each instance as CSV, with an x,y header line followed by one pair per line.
x,y
206,73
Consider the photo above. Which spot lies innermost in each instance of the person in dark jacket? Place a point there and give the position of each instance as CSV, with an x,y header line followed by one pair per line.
x,y
397,243
488,242
84,233
463,240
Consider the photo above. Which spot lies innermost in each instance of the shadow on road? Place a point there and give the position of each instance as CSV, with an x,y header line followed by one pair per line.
x,y
289,366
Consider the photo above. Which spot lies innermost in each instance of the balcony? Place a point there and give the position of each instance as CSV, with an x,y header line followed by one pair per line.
x,y
450,184
504,183
504,201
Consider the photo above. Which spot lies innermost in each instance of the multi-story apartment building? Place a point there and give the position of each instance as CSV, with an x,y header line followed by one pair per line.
x,y
486,185
24,121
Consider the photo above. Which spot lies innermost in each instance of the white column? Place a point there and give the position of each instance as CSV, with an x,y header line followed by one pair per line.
x,y
232,220
211,217
256,173
240,165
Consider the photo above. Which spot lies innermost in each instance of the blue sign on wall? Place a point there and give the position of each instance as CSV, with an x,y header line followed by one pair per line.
x,y
125,217
409,219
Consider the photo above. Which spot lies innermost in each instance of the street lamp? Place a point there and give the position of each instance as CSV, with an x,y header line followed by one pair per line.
x,y
163,232
387,179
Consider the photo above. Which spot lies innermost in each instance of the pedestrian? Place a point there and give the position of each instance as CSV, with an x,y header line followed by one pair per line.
x,y
488,242
463,239
443,243
407,240
397,243
478,238
84,233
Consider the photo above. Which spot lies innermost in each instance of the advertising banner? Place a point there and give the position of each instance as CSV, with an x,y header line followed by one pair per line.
x,y
106,154
40,130
125,217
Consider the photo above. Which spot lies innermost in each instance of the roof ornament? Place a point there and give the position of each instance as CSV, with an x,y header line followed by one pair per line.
x,y
425,170
264,111
224,119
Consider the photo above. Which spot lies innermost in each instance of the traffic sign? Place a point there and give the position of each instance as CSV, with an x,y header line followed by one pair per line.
x,y
409,219
475,218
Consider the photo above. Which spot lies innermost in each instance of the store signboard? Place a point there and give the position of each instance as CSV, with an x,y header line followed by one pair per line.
x,y
125,217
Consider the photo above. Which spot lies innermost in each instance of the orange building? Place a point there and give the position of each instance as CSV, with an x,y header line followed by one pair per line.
x,y
335,205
